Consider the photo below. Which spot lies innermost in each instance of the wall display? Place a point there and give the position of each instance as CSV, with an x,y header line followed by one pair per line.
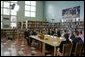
x,y
73,12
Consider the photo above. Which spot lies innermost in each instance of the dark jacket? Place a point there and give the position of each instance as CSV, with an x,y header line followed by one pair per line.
x,y
61,45
72,37
58,33
75,41
27,33
51,33
34,33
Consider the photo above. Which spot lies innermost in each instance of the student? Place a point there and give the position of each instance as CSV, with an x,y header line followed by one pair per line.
x,y
34,32
72,36
60,49
27,33
76,40
58,33
50,32
81,36
64,32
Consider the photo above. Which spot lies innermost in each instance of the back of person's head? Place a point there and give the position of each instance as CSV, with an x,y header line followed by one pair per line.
x,y
65,31
58,33
80,32
76,32
66,36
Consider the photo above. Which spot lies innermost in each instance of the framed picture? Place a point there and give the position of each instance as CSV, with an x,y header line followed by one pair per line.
x,y
73,12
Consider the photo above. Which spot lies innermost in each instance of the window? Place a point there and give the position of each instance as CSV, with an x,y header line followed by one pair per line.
x,y
13,12
32,14
33,8
27,7
6,4
6,9
1,3
13,18
30,8
27,13
27,2
13,25
33,3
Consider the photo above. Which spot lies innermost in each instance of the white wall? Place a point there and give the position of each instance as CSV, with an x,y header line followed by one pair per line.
x,y
53,9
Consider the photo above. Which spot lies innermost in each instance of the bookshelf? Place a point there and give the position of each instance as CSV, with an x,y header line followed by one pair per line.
x,y
19,25
24,25
8,33
44,26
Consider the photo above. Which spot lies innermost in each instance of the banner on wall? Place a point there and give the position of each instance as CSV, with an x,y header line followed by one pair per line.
x,y
73,12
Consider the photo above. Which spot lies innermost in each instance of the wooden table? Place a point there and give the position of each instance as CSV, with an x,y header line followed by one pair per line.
x,y
48,39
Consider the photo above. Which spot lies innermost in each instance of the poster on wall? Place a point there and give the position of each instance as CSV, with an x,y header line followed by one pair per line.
x,y
73,12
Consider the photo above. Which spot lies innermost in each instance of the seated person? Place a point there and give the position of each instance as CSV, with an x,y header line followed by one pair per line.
x,y
72,36
76,40
33,32
27,33
63,33
50,32
60,49
81,36
57,33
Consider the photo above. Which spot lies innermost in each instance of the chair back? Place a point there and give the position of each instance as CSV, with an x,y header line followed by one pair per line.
x,y
67,48
82,51
78,49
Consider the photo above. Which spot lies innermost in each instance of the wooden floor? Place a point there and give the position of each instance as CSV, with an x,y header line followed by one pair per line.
x,y
17,47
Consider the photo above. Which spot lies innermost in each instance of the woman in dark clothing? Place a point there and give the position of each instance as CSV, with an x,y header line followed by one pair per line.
x,y
60,49
76,40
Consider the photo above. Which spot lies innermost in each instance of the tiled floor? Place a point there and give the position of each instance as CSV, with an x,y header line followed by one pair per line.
x,y
17,47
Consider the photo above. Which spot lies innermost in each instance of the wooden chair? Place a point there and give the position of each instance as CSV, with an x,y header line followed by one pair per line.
x,y
66,50
78,49
82,51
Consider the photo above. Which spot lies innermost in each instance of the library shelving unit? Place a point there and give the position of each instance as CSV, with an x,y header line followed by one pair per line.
x,y
5,33
44,26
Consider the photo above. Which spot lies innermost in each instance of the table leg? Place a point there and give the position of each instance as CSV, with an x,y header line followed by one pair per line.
x,y
43,49
54,50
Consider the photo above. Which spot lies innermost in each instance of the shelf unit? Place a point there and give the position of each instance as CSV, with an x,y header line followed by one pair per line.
x,y
44,26
8,32
79,25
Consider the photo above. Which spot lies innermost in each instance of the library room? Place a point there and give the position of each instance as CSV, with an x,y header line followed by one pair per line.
x,y
42,28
